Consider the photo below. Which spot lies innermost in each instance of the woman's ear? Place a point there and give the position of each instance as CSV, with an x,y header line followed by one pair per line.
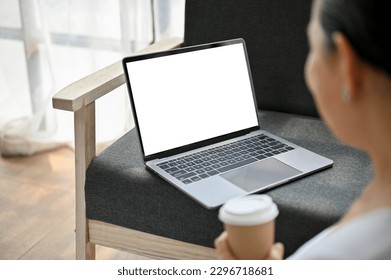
x,y
350,65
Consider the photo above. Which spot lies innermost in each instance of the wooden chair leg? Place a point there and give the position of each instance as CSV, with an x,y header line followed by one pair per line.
x,y
84,152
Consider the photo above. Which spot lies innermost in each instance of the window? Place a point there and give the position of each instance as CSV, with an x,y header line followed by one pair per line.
x,y
47,44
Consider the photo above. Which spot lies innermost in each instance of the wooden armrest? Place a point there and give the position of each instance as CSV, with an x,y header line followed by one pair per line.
x,y
88,89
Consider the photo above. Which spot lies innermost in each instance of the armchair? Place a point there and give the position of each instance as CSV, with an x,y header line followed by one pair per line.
x,y
120,204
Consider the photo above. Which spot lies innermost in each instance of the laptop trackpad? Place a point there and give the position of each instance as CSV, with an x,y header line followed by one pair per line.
x,y
261,174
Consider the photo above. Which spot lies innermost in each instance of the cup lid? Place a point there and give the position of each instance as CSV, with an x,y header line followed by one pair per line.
x,y
248,211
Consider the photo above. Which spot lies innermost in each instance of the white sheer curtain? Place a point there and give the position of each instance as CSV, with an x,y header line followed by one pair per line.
x,y
47,44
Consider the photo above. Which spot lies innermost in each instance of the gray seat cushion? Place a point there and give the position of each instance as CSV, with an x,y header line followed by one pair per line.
x,y
120,190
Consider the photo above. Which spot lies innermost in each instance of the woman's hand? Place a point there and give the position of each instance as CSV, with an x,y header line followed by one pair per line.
x,y
224,252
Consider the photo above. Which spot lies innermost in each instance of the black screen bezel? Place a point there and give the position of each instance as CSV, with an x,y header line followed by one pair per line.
x,y
202,143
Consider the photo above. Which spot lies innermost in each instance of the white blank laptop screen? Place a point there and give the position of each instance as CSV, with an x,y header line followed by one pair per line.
x,y
188,97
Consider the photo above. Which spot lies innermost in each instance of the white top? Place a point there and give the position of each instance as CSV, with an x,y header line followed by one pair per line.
x,y
250,210
365,237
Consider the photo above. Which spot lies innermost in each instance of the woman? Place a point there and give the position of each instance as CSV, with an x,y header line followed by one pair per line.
x,y
348,71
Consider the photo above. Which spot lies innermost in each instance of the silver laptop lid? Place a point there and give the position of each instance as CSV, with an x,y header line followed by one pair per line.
x,y
190,97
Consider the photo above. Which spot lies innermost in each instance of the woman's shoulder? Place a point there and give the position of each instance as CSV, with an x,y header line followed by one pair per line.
x,y
373,216
364,237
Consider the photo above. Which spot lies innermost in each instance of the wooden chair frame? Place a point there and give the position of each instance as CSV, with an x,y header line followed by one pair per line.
x,y
79,97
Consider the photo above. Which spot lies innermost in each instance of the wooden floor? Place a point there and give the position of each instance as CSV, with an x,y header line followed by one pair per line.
x,y
37,209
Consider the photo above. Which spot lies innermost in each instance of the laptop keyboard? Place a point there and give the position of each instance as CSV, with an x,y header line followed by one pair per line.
x,y
201,165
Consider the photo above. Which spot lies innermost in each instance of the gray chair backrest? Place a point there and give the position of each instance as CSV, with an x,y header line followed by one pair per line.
x,y
275,35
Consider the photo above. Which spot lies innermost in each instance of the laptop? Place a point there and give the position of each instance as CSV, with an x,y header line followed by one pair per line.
x,y
196,115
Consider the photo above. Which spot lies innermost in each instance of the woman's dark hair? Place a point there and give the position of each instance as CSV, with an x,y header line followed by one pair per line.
x,y
365,23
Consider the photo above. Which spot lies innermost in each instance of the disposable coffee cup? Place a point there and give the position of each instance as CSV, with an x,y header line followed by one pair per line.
x,y
250,223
